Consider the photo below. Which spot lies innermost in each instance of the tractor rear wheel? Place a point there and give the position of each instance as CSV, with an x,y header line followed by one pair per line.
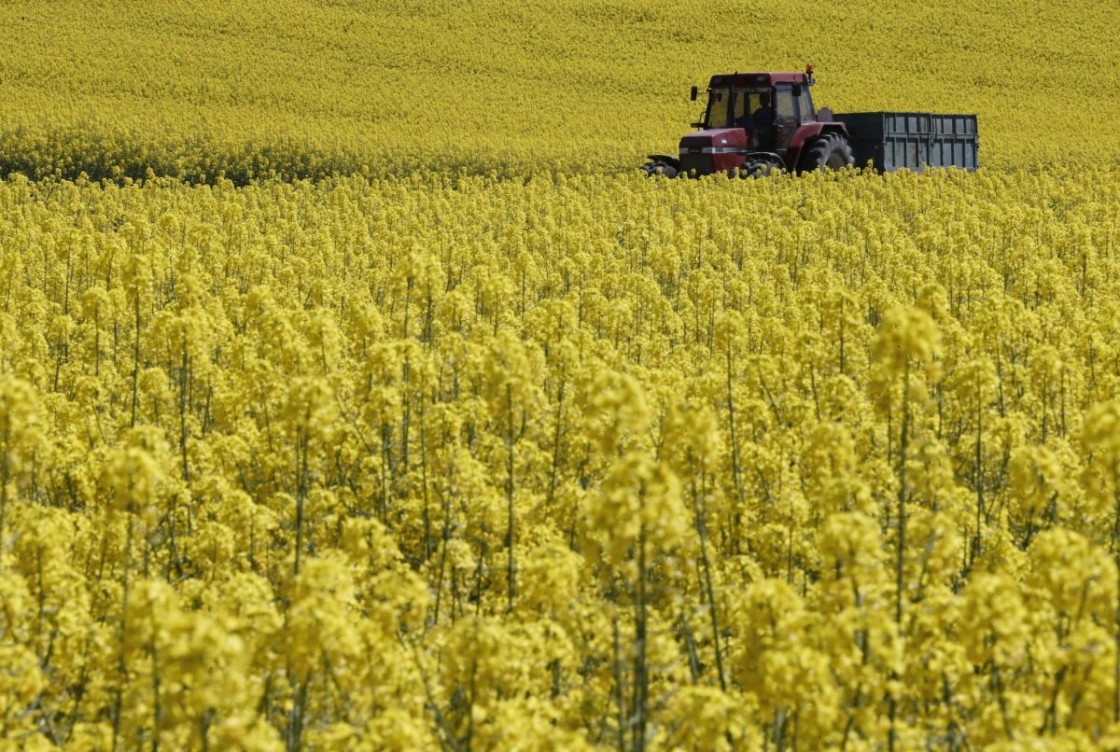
x,y
829,152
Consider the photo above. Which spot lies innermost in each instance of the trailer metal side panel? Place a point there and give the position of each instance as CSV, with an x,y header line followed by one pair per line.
x,y
913,140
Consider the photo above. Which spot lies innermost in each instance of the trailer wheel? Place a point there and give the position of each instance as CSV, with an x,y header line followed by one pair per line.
x,y
829,152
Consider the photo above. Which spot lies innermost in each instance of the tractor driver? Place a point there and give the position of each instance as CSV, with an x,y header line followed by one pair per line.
x,y
762,118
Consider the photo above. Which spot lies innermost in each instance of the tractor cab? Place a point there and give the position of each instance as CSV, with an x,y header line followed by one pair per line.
x,y
754,123
766,105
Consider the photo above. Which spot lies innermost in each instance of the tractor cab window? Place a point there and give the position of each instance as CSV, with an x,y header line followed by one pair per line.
x,y
753,109
740,108
805,105
783,104
719,108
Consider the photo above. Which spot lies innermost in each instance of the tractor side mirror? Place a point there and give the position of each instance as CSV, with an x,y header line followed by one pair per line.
x,y
796,91
693,93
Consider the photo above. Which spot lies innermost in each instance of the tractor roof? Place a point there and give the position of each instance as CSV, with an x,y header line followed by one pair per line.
x,y
757,79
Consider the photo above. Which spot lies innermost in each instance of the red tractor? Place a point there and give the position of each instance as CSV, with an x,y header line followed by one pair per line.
x,y
755,123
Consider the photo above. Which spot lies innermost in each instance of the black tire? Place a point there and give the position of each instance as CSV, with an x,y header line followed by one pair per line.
x,y
664,169
761,166
829,152
756,170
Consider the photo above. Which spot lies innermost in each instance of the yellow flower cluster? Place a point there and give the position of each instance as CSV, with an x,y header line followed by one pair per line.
x,y
562,463
308,88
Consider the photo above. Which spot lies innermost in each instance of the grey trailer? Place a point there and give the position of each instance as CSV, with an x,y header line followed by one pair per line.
x,y
912,140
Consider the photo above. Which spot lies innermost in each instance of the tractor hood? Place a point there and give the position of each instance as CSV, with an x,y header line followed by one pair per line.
x,y
715,141
713,150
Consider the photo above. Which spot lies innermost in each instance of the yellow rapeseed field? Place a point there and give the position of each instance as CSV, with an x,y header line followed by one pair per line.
x,y
475,439
307,87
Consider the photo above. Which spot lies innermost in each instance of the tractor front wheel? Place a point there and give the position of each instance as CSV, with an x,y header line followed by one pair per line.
x,y
829,152
659,168
756,170
760,166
